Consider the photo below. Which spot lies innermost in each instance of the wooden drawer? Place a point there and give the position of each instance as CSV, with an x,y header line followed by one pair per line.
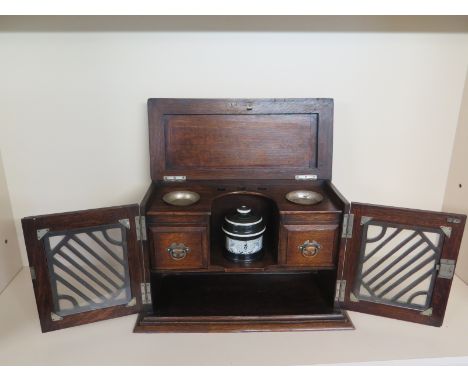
x,y
309,245
178,247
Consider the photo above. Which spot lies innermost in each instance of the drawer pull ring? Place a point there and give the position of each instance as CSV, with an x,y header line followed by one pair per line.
x,y
310,248
178,251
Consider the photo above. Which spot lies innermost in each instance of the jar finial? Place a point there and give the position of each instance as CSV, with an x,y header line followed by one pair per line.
x,y
244,210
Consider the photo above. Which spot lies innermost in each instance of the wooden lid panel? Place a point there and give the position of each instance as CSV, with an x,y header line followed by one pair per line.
x,y
240,139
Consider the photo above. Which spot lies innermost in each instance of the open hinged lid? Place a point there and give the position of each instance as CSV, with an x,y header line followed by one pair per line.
x,y
240,138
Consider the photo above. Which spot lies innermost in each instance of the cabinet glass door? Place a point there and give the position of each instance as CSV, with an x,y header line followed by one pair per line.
x,y
85,265
399,263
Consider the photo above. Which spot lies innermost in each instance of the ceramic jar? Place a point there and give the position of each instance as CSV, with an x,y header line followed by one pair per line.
x,y
243,235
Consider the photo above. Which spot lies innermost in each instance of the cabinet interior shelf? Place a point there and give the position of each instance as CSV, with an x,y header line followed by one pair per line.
x,y
236,294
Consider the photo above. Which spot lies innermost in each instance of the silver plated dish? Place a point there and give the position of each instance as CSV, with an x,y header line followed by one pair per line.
x,y
181,198
304,197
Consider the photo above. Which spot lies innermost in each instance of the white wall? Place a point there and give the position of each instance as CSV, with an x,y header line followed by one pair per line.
x,y
10,259
73,105
456,194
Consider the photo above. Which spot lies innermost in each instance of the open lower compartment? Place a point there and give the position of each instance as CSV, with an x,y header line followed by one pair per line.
x,y
201,302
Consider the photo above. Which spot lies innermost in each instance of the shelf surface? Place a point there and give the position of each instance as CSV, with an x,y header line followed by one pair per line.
x,y
235,294
219,262
276,190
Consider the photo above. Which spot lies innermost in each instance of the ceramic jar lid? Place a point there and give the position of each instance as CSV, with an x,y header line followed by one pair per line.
x,y
243,223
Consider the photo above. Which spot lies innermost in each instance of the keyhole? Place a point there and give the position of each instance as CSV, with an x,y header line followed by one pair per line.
x,y
6,241
460,185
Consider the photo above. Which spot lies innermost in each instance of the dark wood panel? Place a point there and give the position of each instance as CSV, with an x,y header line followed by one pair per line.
x,y
281,138
305,218
240,141
178,219
240,294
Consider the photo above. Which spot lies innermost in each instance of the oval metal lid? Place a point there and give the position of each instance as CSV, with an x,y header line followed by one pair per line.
x,y
304,197
181,198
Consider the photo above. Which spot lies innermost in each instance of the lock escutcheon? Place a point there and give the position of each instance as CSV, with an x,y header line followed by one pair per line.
x,y
310,248
178,251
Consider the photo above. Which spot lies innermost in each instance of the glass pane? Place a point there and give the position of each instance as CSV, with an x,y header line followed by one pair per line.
x,y
397,264
88,268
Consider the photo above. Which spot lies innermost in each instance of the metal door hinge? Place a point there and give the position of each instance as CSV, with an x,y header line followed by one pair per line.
x,y
348,222
446,269
140,224
145,293
175,178
305,177
340,290
32,270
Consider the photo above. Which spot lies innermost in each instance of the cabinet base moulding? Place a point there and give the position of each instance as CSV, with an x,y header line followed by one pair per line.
x,y
153,324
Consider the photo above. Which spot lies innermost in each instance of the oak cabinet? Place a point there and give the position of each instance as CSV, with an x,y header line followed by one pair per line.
x,y
166,262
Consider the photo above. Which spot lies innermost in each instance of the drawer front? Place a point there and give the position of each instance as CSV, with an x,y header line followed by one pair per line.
x,y
178,247
311,245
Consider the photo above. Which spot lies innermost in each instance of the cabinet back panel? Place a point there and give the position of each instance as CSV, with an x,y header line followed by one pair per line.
x,y
241,141
252,294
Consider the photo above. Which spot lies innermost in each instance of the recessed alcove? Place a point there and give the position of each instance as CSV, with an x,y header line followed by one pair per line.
x,y
262,205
